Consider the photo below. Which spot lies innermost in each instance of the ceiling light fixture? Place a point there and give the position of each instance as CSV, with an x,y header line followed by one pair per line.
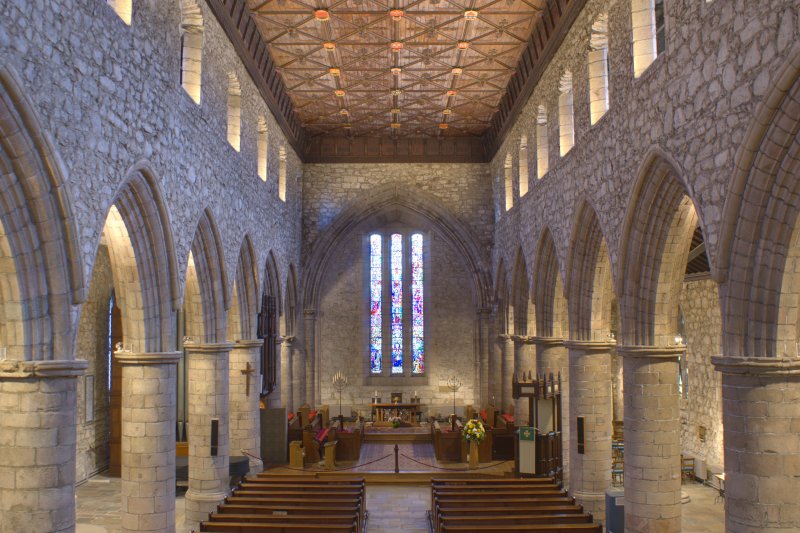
x,y
329,46
339,92
396,46
396,14
322,15
452,93
396,92
443,126
463,45
396,110
334,71
396,70
470,14
395,125
457,71
448,112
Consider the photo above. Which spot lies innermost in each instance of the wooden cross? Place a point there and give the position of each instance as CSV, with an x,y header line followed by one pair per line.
x,y
249,372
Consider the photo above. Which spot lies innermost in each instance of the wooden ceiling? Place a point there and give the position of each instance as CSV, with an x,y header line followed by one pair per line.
x,y
396,69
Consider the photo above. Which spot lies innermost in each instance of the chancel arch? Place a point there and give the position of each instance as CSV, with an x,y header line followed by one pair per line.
x,y
452,266
42,280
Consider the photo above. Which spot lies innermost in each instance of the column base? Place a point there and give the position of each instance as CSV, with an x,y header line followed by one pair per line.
x,y
592,502
199,505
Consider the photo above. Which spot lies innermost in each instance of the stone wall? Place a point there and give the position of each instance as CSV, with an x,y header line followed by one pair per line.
x,y
92,345
344,333
702,405
110,97
692,106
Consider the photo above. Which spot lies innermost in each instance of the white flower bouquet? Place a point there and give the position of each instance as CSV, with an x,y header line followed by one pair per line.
x,y
473,431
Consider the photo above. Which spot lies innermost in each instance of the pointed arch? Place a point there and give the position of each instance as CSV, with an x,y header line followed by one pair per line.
x,y
656,239
209,262
413,203
272,280
548,292
245,296
590,287
760,218
47,278
520,295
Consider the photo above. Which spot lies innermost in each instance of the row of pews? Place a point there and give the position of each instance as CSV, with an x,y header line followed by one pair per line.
x,y
297,504
496,505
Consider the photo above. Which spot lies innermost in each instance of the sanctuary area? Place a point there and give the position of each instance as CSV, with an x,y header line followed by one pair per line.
x,y
407,265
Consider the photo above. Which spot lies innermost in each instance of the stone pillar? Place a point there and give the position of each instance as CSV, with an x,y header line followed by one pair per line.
x,y
287,380
652,438
310,323
551,357
761,423
207,397
523,363
149,383
506,371
590,398
495,366
484,350
37,444
244,418
298,375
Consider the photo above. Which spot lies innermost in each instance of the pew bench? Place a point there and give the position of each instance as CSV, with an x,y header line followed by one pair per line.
x,y
549,528
243,527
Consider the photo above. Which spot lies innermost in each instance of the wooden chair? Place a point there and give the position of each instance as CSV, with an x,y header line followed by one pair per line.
x,y
618,472
687,468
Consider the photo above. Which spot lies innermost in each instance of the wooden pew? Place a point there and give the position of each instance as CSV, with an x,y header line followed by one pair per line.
x,y
549,528
243,527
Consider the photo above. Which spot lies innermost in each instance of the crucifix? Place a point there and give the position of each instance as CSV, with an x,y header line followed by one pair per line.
x,y
249,372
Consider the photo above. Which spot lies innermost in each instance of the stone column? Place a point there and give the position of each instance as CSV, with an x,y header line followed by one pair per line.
x,y
149,384
244,418
551,357
652,438
298,375
207,396
287,380
590,398
37,444
506,371
310,323
484,350
523,363
761,423
495,366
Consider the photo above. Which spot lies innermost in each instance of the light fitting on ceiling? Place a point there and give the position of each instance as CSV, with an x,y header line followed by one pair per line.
x,y
334,71
339,92
452,93
396,92
395,125
329,46
396,70
344,112
443,126
463,45
470,14
396,110
322,14
457,71
396,46
447,112
396,14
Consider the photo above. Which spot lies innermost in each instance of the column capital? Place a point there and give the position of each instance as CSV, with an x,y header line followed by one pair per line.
x,y
546,341
246,344
210,347
590,346
148,358
757,366
55,368
309,313
651,352
503,337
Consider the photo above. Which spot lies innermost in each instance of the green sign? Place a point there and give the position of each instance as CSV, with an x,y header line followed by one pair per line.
x,y
527,433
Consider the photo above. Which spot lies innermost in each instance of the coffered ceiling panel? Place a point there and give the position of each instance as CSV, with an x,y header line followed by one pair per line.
x,y
414,68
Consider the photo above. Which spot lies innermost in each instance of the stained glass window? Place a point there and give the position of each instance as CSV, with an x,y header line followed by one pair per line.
x,y
375,318
397,303
417,307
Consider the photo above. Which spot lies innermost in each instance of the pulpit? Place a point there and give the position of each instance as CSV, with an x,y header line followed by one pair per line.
x,y
544,401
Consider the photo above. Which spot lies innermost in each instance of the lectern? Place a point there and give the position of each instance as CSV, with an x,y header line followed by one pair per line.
x,y
544,402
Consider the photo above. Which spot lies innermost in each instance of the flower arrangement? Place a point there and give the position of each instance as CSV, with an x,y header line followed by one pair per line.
x,y
473,431
396,421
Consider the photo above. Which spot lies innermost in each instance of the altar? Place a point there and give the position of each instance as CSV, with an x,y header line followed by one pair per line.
x,y
405,411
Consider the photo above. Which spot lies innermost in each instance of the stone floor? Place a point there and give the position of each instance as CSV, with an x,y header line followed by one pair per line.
x,y
392,508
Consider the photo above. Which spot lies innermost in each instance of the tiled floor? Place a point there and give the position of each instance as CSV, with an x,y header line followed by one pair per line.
x,y
392,508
